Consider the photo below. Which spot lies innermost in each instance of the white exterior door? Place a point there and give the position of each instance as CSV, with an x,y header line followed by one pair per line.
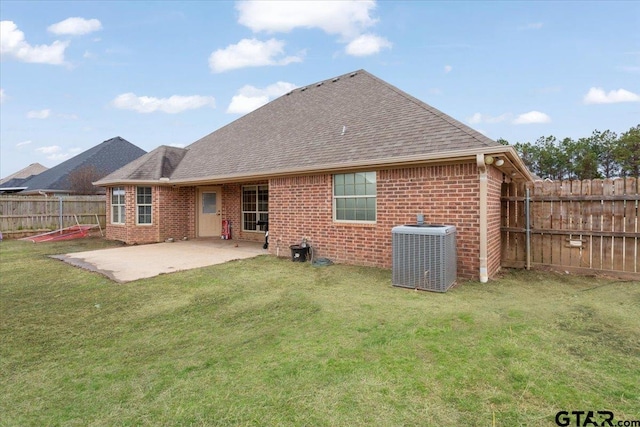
x,y
209,208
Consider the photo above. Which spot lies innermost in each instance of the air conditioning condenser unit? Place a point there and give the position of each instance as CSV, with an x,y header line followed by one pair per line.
x,y
424,257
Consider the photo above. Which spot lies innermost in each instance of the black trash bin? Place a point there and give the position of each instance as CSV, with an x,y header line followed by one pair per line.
x,y
299,253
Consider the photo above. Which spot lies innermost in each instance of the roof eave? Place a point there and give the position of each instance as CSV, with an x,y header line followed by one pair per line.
x,y
514,163
124,181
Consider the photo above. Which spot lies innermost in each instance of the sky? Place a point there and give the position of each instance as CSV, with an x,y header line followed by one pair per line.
x,y
74,74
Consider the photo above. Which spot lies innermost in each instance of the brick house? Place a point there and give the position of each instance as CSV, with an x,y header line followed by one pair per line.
x,y
339,162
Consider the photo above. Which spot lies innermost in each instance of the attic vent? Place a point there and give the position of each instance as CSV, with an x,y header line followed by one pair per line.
x,y
289,93
303,89
353,74
319,84
336,79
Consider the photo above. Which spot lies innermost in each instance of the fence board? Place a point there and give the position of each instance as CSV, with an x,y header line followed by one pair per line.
x,y
585,211
26,215
589,225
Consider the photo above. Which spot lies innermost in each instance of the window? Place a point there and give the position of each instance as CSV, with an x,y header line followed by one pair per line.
x,y
255,206
143,204
117,205
354,197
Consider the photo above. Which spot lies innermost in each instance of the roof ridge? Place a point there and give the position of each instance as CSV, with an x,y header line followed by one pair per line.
x,y
321,82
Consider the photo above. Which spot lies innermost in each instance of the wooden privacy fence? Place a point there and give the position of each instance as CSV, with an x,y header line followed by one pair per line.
x,y
580,226
27,215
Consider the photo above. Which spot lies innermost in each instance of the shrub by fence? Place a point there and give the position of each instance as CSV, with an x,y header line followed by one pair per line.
x,y
582,226
22,216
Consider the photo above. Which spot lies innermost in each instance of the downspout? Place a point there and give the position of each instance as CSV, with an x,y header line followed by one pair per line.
x,y
483,205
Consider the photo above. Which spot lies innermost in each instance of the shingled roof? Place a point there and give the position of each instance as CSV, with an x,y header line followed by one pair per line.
x,y
350,121
22,175
105,158
159,163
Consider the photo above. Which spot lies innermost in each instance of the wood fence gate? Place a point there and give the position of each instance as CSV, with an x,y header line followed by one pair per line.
x,y
579,226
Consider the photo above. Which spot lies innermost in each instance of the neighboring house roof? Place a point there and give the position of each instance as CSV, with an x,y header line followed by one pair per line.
x,y
23,174
355,120
104,158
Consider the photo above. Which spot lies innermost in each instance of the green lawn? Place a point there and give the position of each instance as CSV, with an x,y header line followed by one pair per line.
x,y
268,342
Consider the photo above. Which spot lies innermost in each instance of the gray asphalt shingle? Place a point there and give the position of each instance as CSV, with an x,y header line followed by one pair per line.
x,y
351,119
105,158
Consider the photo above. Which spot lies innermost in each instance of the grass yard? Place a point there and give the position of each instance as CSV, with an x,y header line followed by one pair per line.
x,y
268,342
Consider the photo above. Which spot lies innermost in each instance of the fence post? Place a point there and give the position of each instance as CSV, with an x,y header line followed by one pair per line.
x,y
60,211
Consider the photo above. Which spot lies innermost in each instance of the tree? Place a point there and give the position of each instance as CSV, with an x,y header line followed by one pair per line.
x,y
553,160
602,154
627,152
583,158
606,142
528,153
80,180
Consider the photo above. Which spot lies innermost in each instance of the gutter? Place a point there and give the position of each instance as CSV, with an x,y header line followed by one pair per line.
x,y
450,156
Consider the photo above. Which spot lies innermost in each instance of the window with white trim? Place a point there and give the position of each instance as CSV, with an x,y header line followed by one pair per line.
x,y
117,205
354,197
255,206
143,205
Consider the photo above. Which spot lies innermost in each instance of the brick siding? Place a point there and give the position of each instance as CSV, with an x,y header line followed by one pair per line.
x,y
302,207
445,194
173,215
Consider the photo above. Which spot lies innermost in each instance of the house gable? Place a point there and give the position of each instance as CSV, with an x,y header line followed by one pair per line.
x,y
299,145
351,121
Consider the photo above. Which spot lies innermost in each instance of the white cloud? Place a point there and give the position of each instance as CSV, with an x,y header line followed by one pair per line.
x,y
23,143
532,117
3,96
172,105
250,98
367,44
597,95
58,157
347,18
39,114
447,69
484,118
54,152
242,104
75,26
250,53
12,43
51,149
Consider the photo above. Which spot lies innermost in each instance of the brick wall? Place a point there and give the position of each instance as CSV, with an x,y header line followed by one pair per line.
x,y
173,215
445,194
177,208
302,206
232,210
494,220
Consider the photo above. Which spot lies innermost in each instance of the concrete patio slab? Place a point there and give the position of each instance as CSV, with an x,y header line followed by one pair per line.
x,y
129,263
